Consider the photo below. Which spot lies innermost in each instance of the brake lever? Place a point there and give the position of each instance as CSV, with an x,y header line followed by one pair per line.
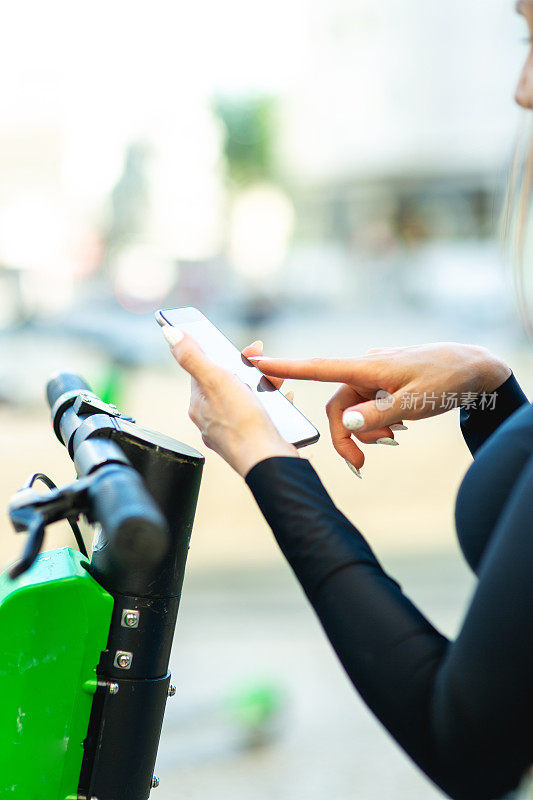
x,y
31,512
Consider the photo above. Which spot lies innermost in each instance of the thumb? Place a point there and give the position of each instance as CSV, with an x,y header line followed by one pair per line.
x,y
378,413
254,349
189,354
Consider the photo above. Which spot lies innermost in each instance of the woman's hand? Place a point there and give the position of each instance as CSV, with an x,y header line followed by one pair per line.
x,y
231,420
389,385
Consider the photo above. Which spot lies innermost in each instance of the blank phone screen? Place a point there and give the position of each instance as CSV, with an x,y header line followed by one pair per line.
x,y
291,423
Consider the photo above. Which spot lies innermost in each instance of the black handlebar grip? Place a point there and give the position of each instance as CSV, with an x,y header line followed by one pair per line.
x,y
63,382
135,531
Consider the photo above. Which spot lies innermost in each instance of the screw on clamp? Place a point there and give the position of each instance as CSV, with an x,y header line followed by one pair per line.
x,y
123,659
130,618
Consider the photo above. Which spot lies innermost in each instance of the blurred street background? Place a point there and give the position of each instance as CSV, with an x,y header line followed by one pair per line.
x,y
324,175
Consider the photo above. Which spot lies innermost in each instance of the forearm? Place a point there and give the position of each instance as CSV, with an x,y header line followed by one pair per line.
x,y
387,647
315,537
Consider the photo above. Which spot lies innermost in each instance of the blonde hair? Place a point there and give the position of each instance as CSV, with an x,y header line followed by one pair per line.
x,y
517,209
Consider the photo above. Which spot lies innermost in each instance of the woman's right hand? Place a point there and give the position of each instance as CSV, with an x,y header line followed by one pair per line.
x,y
389,385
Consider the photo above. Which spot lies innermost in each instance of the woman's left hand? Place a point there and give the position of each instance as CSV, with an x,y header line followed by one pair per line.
x,y
231,419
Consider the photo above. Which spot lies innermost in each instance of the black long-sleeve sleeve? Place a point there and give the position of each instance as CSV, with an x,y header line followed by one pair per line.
x,y
481,420
462,710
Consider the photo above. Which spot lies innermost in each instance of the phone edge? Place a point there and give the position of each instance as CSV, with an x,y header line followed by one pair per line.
x,y
160,318
306,442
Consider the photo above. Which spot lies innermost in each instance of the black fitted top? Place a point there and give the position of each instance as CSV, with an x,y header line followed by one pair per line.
x,y
462,710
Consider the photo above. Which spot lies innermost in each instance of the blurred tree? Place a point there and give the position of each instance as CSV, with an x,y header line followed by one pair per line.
x,y
250,124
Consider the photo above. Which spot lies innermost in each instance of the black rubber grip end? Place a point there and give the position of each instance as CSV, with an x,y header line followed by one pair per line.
x,y
63,382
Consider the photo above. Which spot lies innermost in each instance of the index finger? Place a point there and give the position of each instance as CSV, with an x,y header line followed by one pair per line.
x,y
335,370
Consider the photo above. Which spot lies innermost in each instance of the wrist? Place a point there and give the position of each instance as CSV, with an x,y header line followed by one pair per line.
x,y
262,450
493,372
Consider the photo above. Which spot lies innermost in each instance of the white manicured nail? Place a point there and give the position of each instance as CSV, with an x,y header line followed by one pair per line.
x,y
398,427
354,469
387,440
353,420
172,335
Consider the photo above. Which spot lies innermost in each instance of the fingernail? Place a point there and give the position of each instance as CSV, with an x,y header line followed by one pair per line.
x,y
387,440
398,427
257,343
172,335
353,420
354,469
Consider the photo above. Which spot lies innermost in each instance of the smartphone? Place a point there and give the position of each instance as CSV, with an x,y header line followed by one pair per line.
x,y
291,423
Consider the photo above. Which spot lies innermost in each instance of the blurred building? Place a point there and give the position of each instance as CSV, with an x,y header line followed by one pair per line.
x,y
402,88
398,134
394,124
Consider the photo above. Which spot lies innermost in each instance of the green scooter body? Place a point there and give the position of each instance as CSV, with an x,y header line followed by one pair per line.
x,y
54,623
